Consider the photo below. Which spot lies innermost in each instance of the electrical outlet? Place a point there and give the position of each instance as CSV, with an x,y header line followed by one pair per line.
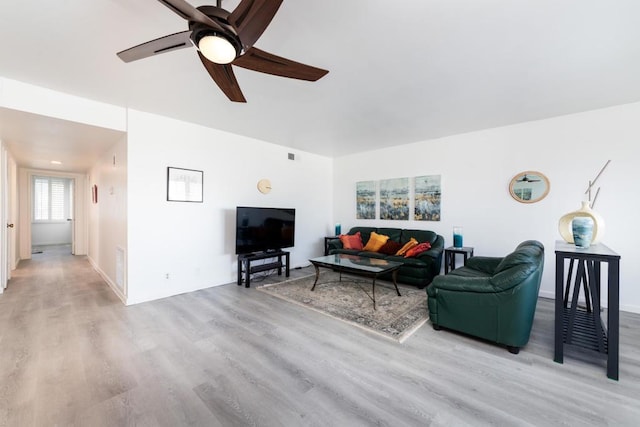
x,y
166,276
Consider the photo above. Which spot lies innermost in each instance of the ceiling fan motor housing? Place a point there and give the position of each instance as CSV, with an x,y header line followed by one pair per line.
x,y
198,30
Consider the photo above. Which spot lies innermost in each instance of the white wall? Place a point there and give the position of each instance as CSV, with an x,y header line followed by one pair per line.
x,y
194,243
476,169
108,217
51,233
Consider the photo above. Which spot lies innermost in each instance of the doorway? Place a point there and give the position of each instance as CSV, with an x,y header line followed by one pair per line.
x,y
51,213
72,216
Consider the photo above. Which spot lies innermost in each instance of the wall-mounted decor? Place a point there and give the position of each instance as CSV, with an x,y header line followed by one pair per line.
x,y
427,198
366,200
264,186
529,187
184,185
394,199
94,193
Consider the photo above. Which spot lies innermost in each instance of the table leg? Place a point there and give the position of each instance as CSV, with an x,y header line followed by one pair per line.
x,y
559,308
317,276
566,291
247,274
394,275
447,262
595,301
613,316
373,291
286,270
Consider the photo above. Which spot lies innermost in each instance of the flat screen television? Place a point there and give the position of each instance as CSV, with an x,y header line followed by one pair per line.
x,y
264,229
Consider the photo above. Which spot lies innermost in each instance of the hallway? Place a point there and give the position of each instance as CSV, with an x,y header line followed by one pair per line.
x,y
51,317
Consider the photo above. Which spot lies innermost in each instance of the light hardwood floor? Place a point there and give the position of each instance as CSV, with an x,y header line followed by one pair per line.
x,y
72,354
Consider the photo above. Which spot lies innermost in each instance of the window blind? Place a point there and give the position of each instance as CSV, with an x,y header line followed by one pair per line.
x,y
51,198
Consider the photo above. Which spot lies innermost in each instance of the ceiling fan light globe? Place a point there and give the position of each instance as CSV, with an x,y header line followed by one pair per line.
x,y
217,49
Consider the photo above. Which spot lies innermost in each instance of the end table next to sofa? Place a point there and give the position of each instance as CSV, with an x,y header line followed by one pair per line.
x,y
450,256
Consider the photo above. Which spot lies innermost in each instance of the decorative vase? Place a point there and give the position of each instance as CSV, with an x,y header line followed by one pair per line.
x,y
338,229
565,227
582,227
457,237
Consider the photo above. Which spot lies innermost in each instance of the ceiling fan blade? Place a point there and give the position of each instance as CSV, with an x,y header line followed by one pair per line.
x,y
224,78
155,47
190,13
252,17
264,62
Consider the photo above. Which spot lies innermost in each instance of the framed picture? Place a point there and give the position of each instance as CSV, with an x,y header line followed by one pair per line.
x,y
427,198
184,185
366,200
394,199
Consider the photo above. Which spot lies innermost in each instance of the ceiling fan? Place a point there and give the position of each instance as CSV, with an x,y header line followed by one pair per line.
x,y
224,39
525,178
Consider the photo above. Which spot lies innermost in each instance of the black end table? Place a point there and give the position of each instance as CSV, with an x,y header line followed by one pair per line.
x,y
584,327
326,243
450,256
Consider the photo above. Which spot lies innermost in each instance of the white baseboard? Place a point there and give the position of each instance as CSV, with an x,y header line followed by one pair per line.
x,y
106,278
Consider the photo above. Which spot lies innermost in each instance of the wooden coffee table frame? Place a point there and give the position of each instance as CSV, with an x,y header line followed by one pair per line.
x,y
354,269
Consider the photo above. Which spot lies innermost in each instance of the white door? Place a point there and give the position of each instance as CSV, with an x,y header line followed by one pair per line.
x,y
4,225
72,210
12,215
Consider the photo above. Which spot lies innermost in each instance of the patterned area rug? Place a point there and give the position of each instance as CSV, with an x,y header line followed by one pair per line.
x,y
395,317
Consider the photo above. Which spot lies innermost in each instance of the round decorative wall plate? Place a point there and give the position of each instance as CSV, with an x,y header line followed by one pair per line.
x,y
264,186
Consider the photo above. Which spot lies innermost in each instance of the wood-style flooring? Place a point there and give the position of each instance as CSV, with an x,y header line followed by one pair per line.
x,y
72,354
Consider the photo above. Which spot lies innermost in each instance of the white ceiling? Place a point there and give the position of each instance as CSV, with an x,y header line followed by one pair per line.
x,y
35,141
400,71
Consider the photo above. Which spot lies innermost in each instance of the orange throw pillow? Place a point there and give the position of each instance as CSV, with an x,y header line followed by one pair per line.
x,y
351,241
376,241
410,244
417,250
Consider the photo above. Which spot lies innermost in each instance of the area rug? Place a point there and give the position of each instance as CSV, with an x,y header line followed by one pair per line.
x,y
395,317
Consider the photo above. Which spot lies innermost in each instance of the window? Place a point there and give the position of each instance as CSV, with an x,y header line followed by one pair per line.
x,y
51,199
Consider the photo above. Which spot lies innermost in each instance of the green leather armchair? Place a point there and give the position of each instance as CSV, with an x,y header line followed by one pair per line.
x,y
491,298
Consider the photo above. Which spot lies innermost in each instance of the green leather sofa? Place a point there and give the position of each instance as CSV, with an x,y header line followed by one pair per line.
x,y
491,298
418,271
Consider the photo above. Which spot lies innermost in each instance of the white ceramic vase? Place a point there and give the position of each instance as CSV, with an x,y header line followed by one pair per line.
x,y
566,231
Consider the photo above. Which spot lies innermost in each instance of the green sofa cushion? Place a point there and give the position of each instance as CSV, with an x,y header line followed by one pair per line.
x,y
393,233
419,235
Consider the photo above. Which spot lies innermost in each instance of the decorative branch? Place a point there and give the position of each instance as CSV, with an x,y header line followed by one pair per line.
x,y
592,183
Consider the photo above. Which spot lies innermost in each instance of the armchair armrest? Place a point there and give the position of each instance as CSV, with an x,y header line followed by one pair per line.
x,y
485,264
461,284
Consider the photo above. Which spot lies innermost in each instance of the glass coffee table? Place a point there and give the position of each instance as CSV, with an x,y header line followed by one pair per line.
x,y
359,266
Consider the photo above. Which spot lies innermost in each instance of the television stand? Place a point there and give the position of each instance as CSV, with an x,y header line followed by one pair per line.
x,y
245,268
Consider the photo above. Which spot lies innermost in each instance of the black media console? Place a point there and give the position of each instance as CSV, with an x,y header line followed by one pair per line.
x,y
245,260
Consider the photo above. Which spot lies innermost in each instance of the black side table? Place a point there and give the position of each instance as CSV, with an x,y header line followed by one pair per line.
x,y
584,327
326,243
450,256
245,270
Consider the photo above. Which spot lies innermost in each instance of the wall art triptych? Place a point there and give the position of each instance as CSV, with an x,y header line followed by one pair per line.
x,y
396,201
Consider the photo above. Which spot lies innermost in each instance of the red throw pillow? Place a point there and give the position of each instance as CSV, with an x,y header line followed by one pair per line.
x,y
351,241
417,250
390,248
